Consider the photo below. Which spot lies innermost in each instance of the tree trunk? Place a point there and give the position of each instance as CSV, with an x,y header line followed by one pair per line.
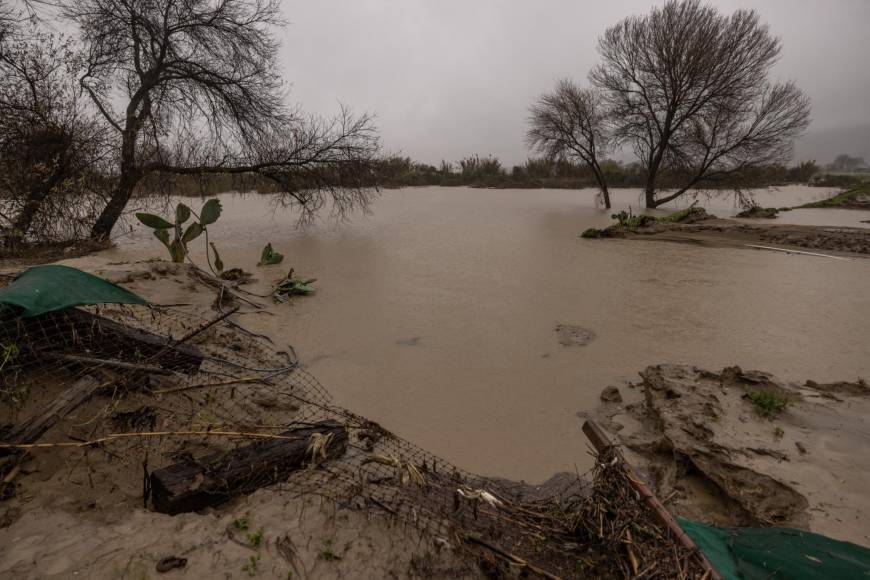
x,y
35,197
112,212
650,197
110,215
602,183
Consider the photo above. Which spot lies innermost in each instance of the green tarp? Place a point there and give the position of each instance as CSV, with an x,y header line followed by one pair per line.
x,y
52,287
761,553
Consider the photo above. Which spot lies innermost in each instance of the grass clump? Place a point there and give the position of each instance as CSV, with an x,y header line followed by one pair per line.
x,y
8,354
241,524
256,539
251,565
682,215
627,219
767,404
327,554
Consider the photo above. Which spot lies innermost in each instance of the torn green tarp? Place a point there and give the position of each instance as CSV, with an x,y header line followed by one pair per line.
x,y
53,287
786,553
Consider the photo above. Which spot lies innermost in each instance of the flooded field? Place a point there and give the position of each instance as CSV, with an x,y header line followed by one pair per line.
x,y
436,314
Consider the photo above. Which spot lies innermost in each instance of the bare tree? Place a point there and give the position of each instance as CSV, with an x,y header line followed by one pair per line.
x,y
201,94
570,124
688,90
49,144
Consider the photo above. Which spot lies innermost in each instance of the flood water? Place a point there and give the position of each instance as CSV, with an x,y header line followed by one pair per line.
x,y
435,314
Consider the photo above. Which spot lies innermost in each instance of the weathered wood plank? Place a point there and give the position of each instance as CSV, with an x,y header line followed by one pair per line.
x,y
34,427
193,484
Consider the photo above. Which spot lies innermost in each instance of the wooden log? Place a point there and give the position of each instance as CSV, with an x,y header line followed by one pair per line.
x,y
601,443
106,338
34,427
193,484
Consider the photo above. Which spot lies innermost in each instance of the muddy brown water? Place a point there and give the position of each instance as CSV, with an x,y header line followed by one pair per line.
x,y
436,314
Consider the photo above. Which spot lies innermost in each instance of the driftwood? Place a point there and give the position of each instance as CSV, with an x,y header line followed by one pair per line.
x,y
34,427
106,338
192,484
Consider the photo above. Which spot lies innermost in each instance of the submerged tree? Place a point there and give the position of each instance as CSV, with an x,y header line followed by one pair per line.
x,y
570,124
688,90
200,94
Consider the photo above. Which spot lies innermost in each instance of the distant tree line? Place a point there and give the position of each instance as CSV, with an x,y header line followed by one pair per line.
x,y
549,172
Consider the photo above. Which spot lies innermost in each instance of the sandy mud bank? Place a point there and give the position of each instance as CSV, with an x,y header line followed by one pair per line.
x,y
699,227
742,448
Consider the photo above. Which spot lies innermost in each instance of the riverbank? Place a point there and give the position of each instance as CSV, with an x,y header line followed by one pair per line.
x,y
84,513
700,228
745,448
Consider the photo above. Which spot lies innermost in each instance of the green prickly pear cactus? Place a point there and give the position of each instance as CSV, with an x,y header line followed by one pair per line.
x,y
177,244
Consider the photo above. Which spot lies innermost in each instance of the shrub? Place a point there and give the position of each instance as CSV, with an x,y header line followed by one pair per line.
x,y
768,404
630,221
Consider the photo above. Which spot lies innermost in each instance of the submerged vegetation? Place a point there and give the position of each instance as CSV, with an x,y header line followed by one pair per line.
x,y
292,286
269,257
627,221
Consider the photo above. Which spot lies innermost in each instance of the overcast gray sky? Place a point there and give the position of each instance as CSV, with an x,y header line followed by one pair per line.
x,y
452,77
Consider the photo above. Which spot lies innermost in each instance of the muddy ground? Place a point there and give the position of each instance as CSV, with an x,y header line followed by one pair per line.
x,y
712,455
709,454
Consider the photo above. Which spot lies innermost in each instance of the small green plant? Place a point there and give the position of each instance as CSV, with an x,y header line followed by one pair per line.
x,y
269,256
256,539
630,221
177,246
778,433
326,553
8,354
767,403
240,524
591,233
251,565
